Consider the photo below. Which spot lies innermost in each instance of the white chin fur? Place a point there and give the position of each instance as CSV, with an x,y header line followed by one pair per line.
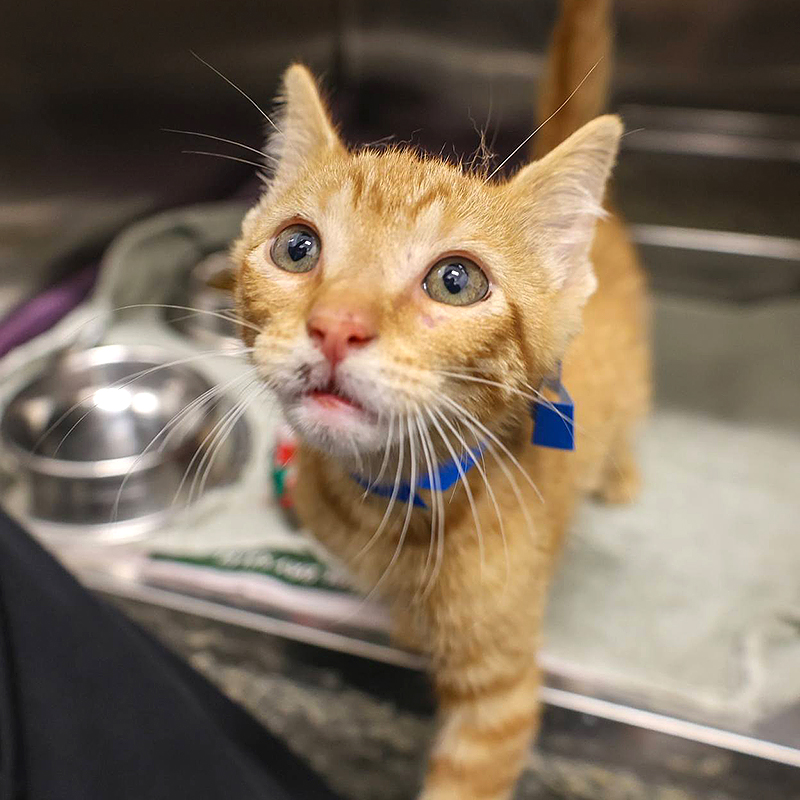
x,y
345,439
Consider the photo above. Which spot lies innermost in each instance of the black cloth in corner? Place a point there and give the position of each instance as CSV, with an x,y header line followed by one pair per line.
x,y
93,708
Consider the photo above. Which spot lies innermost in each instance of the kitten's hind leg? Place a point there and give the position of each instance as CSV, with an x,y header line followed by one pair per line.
x,y
620,481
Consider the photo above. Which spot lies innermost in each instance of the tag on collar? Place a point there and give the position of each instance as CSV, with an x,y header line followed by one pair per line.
x,y
554,422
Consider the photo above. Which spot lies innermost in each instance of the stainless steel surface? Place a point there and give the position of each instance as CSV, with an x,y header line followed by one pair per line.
x,y
558,693
637,723
86,152
209,289
87,91
108,434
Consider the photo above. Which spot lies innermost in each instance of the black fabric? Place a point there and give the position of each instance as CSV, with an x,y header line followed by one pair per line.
x,y
91,707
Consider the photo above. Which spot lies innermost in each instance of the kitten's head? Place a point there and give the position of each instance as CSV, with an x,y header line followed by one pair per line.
x,y
392,289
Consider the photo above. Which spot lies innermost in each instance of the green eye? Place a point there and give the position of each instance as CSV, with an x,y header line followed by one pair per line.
x,y
456,281
296,249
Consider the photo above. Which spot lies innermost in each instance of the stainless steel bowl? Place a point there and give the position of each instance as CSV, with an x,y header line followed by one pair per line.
x,y
87,436
205,305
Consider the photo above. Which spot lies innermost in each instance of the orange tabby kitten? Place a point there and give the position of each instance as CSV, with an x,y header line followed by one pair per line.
x,y
409,312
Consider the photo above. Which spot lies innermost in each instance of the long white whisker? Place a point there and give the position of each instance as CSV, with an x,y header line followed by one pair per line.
x,y
541,125
401,539
505,470
409,508
470,498
481,469
385,461
207,447
433,478
201,451
229,316
390,505
532,394
121,384
412,482
230,427
209,451
438,503
473,421
241,91
358,460
168,429
222,139
222,155
216,390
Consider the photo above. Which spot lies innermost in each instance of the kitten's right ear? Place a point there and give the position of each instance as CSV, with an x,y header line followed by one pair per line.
x,y
302,127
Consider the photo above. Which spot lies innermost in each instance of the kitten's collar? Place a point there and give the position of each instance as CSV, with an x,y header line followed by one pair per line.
x,y
445,477
553,426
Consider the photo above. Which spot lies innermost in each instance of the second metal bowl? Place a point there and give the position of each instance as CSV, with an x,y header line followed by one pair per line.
x,y
204,306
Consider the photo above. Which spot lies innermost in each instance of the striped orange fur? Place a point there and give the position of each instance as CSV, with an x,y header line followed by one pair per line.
x,y
465,576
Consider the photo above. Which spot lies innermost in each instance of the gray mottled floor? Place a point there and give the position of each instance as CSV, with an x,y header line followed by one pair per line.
x,y
369,746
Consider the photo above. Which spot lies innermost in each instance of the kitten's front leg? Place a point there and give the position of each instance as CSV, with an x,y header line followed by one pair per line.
x,y
489,712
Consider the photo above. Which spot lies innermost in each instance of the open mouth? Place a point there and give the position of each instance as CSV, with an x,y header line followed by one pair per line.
x,y
332,398
334,419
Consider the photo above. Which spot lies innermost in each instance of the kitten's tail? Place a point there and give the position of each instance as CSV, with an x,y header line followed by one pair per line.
x,y
581,40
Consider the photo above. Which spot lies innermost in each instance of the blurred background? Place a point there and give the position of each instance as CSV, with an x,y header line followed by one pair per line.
x,y
710,96
701,574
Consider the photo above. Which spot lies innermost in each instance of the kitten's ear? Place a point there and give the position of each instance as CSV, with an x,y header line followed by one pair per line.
x,y
562,196
302,126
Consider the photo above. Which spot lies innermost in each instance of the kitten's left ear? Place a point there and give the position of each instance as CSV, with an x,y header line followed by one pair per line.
x,y
302,127
561,196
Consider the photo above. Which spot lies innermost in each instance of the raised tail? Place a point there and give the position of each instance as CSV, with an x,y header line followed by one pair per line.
x,y
581,40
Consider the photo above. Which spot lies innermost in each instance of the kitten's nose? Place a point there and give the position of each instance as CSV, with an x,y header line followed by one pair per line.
x,y
337,330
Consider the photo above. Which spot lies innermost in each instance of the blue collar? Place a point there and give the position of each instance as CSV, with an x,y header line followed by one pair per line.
x,y
447,474
553,426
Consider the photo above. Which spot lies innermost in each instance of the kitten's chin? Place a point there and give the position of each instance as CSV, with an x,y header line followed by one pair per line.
x,y
340,428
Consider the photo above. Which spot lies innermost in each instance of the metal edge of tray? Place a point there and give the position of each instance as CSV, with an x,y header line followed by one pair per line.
x,y
571,701
777,248
749,135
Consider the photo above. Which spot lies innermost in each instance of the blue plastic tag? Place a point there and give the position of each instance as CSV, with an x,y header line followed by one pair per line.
x,y
554,422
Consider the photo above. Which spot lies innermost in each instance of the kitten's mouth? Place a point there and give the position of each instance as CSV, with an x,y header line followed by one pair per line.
x,y
331,401
333,417
332,397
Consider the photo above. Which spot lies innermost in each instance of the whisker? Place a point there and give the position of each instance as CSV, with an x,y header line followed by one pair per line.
x,y
508,475
438,504
223,436
222,155
359,462
392,499
536,395
121,384
437,566
222,139
241,92
409,506
433,478
470,499
201,449
541,125
472,421
168,429
480,466
230,317
385,462
533,394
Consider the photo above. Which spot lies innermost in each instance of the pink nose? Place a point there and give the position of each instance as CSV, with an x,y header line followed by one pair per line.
x,y
337,331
